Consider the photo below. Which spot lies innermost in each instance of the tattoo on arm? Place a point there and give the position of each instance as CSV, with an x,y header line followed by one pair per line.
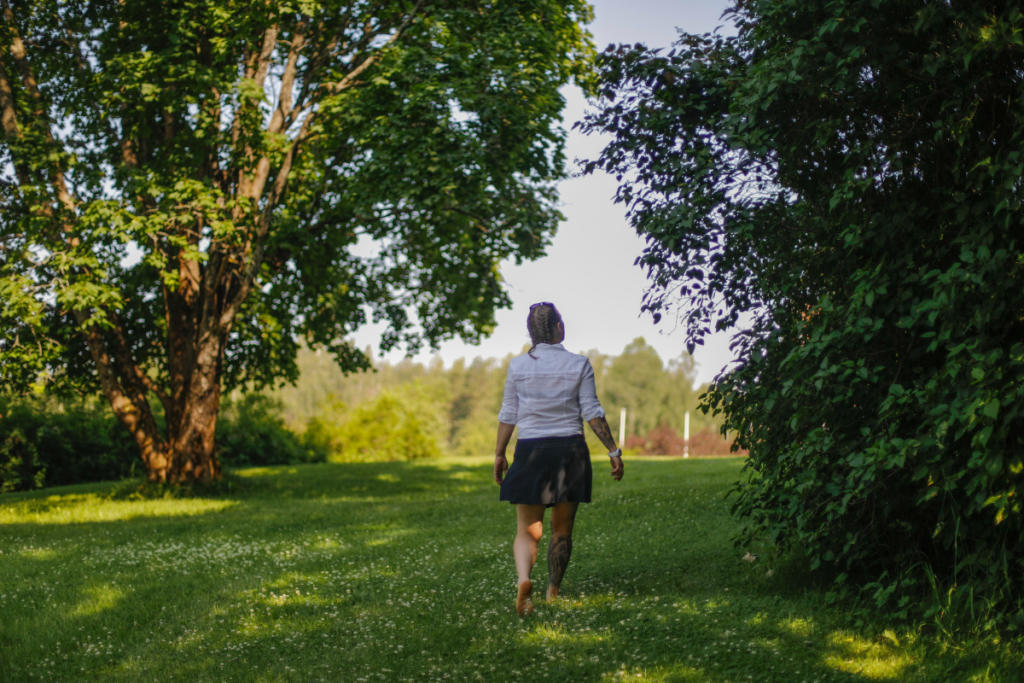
x,y
603,431
559,551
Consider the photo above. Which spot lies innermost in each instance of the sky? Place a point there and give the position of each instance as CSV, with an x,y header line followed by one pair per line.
x,y
588,271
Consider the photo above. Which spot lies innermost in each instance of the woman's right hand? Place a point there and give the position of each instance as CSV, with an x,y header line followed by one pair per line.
x,y
500,463
500,467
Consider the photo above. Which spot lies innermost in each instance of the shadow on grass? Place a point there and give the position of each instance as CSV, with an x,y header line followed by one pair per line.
x,y
380,483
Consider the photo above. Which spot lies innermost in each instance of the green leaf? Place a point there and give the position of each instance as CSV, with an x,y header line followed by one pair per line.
x,y
991,408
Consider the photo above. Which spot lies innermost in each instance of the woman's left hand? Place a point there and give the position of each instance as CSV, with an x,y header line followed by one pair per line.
x,y
617,468
500,467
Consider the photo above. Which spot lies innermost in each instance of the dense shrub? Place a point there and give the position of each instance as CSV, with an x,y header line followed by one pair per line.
x,y
407,423
20,466
47,442
251,431
663,440
846,174
711,442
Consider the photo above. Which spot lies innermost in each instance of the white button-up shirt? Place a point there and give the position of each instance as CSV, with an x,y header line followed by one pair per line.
x,y
550,395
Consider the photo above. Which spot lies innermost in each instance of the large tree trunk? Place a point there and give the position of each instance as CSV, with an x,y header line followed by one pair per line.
x,y
193,454
195,354
194,457
187,452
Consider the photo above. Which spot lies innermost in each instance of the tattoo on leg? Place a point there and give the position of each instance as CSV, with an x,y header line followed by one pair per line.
x,y
559,551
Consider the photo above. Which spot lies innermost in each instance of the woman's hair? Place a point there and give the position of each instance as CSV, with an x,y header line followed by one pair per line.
x,y
542,324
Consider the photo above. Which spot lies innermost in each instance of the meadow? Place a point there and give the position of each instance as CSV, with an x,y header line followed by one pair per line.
x,y
402,572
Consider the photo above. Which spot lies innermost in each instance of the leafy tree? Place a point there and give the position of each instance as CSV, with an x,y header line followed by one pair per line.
x,y
477,393
848,172
652,394
635,380
405,423
194,186
251,431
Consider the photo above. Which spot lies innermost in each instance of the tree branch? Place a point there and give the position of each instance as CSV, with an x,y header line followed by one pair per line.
x,y
266,53
259,244
347,81
32,86
131,371
138,420
256,71
9,122
284,100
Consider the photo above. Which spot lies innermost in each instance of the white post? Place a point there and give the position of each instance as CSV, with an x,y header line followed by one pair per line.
x,y
686,434
622,427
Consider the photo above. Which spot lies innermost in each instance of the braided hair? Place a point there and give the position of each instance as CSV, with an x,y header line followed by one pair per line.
x,y
542,324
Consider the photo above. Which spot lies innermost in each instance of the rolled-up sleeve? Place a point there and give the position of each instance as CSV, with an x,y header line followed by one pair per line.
x,y
589,405
510,403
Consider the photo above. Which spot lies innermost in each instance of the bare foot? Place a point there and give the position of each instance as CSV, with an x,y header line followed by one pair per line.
x,y
524,600
552,593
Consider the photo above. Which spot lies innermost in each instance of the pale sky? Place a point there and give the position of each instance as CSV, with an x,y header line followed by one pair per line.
x,y
589,272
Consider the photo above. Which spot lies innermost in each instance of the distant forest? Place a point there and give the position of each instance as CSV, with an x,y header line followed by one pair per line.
x,y
399,411
431,409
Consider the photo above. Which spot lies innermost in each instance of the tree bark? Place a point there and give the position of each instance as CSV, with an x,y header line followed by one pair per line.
x,y
193,450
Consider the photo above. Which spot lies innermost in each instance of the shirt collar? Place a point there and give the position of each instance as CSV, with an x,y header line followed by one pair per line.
x,y
544,345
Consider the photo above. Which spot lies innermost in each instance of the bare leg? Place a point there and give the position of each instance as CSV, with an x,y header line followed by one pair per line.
x,y
529,528
563,516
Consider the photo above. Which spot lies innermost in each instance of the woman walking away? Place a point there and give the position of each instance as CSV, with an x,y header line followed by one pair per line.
x,y
548,394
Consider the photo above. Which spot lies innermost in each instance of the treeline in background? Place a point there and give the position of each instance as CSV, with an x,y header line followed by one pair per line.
x,y
402,411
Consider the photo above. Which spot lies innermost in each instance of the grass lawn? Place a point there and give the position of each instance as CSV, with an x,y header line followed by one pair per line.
x,y
403,572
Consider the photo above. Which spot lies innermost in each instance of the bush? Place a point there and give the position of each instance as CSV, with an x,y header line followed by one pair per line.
x,y
711,442
20,466
848,174
404,424
663,440
384,429
252,432
48,442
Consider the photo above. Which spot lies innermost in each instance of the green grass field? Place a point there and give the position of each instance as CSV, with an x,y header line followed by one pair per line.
x,y
403,572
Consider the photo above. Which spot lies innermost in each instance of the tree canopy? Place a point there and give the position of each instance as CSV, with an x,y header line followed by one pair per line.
x,y
652,392
848,173
193,187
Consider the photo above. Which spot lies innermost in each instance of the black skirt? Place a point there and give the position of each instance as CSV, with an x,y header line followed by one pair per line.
x,y
549,471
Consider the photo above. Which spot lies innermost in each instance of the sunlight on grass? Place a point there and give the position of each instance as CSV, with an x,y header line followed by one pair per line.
x,y
757,619
798,627
384,540
99,599
549,634
857,655
675,674
255,472
83,508
328,543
